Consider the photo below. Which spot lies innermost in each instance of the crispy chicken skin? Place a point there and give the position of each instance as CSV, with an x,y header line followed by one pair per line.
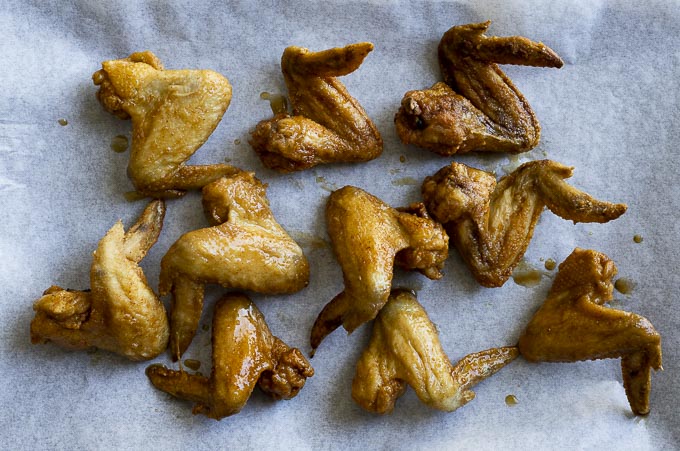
x,y
245,353
245,249
573,324
476,107
368,237
121,313
405,350
328,125
173,113
491,224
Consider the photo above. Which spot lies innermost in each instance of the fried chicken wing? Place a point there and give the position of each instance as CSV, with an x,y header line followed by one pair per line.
x,y
405,350
121,313
328,125
245,249
245,353
573,324
491,224
173,113
477,107
368,237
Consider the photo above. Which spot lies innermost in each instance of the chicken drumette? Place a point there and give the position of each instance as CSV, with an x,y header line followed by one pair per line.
x,y
477,107
173,113
368,238
245,353
120,313
245,249
405,350
328,125
573,324
491,224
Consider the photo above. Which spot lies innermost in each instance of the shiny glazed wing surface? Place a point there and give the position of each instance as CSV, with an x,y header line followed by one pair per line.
x,y
492,224
405,350
574,324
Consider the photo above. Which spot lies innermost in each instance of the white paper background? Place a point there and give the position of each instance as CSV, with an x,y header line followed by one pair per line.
x,y
611,111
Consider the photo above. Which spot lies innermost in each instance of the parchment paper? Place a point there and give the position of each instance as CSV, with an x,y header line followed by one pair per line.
x,y
611,111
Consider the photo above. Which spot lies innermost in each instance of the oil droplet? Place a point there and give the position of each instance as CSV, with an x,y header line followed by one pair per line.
x,y
550,264
511,400
624,285
192,364
402,159
277,102
133,196
227,160
526,275
119,143
637,238
237,142
205,327
394,171
405,181
63,122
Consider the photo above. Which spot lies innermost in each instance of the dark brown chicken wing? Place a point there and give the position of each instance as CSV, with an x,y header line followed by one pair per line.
x,y
245,353
328,125
245,249
405,350
173,113
573,324
477,107
121,313
368,237
491,224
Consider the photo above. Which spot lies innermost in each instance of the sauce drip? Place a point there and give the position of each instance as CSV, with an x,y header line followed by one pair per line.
x,y
526,275
511,400
192,364
550,264
277,102
624,285
133,196
119,143
637,238
405,181
402,159
63,122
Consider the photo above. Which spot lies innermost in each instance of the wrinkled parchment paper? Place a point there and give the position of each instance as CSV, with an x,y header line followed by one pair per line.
x,y
611,111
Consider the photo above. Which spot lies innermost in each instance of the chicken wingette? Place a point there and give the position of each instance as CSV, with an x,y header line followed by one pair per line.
x,y
245,249
491,224
476,108
405,350
574,324
368,238
244,354
173,113
120,313
327,125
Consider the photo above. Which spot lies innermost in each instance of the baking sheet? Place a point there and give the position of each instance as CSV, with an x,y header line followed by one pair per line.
x,y
611,111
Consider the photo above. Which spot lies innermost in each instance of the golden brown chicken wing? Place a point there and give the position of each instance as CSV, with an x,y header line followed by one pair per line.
x,y
328,125
245,249
368,237
245,353
491,224
477,107
573,324
121,313
173,113
405,350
